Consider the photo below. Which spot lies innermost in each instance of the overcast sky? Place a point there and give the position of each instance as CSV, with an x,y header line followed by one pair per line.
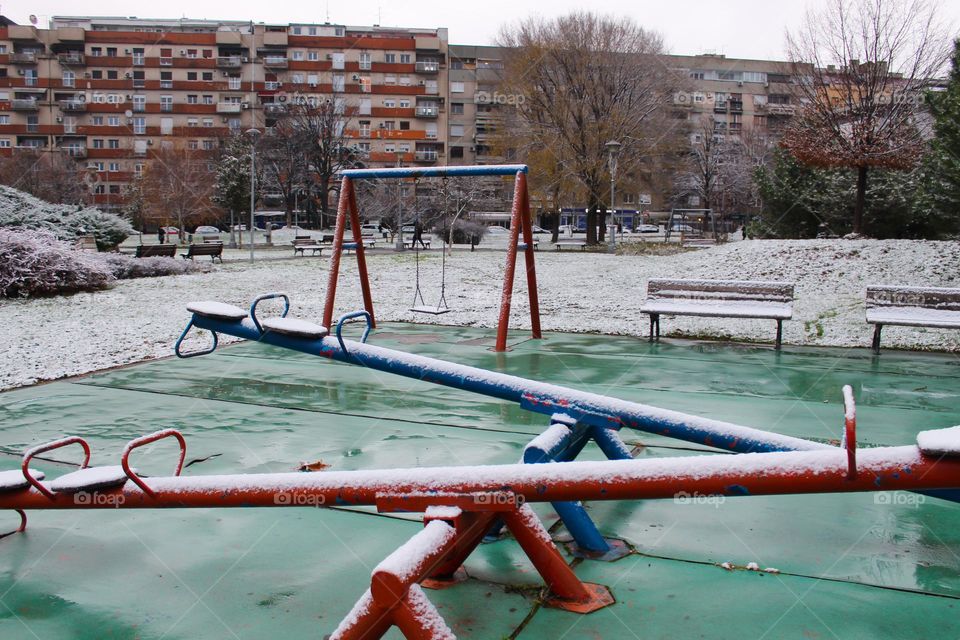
x,y
737,28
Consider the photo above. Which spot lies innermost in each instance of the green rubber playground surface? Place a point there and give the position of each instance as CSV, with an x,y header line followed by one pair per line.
x,y
850,566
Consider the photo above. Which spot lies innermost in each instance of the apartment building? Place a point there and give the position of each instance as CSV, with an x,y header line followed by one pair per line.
x,y
109,90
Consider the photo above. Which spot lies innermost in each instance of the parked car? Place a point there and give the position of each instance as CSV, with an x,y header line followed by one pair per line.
x,y
648,228
171,231
677,227
537,229
497,231
206,230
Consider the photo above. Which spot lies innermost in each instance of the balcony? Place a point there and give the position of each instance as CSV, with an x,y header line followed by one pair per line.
x,y
23,57
428,66
424,155
73,105
428,112
275,62
431,89
22,32
781,109
274,109
736,106
720,107
229,62
72,58
24,104
229,107
75,152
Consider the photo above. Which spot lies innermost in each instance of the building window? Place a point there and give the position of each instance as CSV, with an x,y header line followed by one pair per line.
x,y
96,121
208,122
364,128
139,125
404,81
233,83
113,121
207,99
139,81
313,56
405,58
113,143
166,104
139,103
69,78
404,125
366,85
138,57
191,75
456,130
209,145
111,51
389,103
96,74
337,61
192,122
4,119
193,145
208,76
456,152
69,124
312,31
166,80
113,166
338,82
365,61
456,87
456,108
112,74
456,64
297,55
98,143
192,98
390,58
96,51
404,104
138,168
389,79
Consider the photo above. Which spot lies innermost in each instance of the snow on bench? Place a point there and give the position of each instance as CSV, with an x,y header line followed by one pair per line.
x,y
718,299
935,307
570,243
301,244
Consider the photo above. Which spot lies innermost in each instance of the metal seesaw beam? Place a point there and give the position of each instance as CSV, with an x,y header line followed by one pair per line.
x,y
540,397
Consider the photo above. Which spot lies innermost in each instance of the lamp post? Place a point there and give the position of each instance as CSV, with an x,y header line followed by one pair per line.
x,y
399,243
613,151
254,135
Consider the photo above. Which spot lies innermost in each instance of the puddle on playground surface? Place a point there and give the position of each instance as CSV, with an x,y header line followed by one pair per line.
x,y
851,566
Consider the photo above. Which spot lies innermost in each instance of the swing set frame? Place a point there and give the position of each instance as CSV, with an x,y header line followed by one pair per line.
x,y
519,223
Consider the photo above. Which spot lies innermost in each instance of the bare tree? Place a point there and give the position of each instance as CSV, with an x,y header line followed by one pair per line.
x,y
581,80
177,187
53,176
862,67
446,204
280,154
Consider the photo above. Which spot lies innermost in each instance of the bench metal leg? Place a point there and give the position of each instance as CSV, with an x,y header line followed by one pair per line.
x,y
876,338
654,326
779,334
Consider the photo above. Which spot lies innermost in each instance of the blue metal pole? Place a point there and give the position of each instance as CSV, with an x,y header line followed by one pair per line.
x,y
539,397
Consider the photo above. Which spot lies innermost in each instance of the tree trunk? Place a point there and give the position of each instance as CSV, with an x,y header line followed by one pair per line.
x,y
324,200
555,227
861,199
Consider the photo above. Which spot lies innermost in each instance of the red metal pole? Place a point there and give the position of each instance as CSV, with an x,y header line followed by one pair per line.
x,y
529,256
361,257
366,621
503,323
411,563
799,472
346,186
418,619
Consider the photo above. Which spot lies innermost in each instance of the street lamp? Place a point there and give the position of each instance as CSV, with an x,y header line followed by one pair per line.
x,y
254,135
613,151
399,243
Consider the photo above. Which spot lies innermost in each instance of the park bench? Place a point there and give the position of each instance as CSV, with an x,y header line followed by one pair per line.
x,y
304,243
718,299
210,238
522,246
212,249
369,242
409,243
912,307
570,243
156,250
87,243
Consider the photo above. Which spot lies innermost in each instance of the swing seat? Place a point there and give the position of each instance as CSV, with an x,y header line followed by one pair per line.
x,y
434,311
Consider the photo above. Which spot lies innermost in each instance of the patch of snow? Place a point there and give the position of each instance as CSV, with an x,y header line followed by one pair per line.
x,y
407,561
939,442
727,566
214,309
753,566
49,338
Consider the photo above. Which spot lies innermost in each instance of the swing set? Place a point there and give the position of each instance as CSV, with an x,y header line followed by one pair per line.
x,y
519,223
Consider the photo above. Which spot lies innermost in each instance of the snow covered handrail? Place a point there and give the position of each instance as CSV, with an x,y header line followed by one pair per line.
x,y
268,296
145,440
352,316
50,446
850,431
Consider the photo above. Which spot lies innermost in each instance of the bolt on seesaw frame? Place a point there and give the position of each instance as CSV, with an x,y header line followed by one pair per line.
x,y
461,504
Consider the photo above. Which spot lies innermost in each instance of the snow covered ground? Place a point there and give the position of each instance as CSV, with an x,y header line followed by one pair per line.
x,y
582,292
